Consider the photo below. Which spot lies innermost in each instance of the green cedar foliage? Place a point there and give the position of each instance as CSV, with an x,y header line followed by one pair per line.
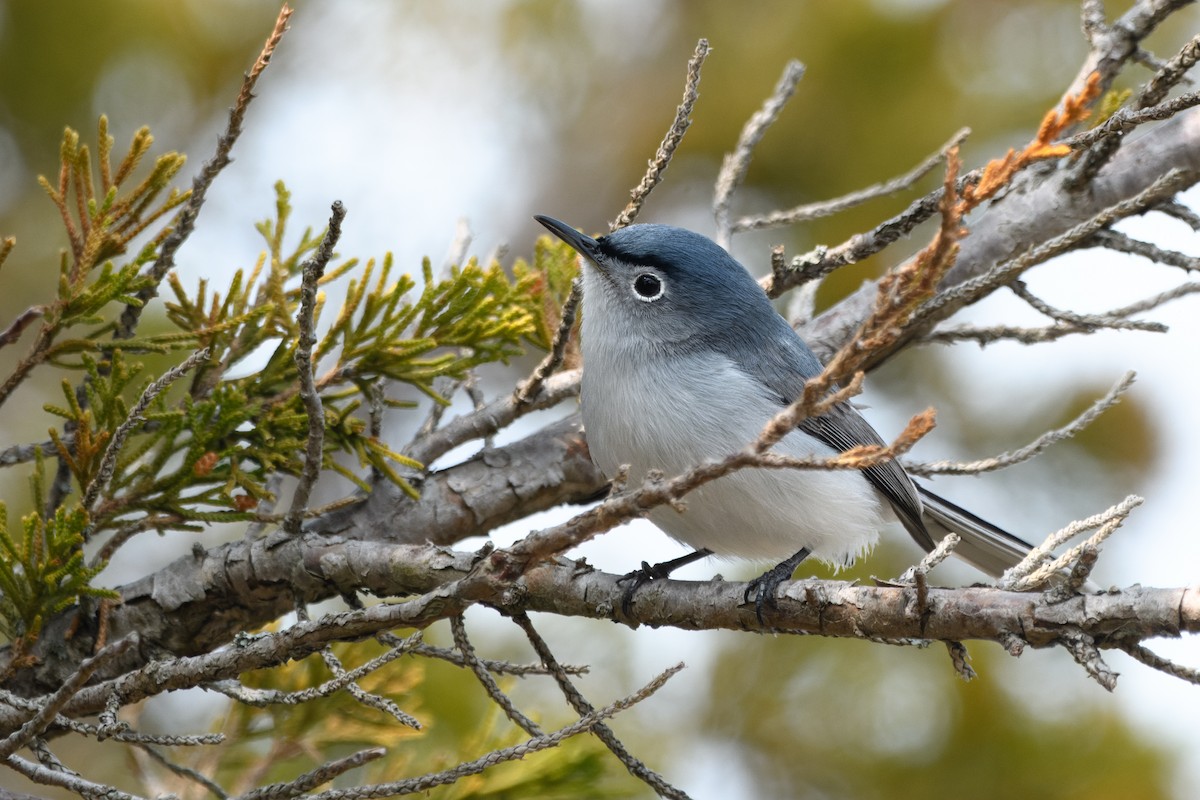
x,y
550,275
204,452
42,571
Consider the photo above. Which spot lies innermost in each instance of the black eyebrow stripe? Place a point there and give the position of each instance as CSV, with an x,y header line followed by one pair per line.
x,y
606,247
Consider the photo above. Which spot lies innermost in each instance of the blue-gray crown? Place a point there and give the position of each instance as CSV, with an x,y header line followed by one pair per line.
x,y
667,247
708,290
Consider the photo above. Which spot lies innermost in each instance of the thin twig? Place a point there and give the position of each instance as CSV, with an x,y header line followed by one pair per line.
x,y
1170,74
1150,61
46,757
1153,660
35,705
1114,240
499,667
471,388
458,629
1040,565
662,157
826,208
1033,448
1082,648
263,698
445,387
375,407
824,260
491,418
1086,322
15,328
735,164
1173,208
961,661
990,334
1126,120
182,771
528,389
528,747
778,262
314,778
944,549
340,673
164,740
54,703
1154,301
975,288
67,780
582,707
1081,321
185,222
314,450
1114,319
109,462
22,453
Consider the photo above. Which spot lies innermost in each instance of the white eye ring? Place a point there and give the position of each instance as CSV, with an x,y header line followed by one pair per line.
x,y
648,287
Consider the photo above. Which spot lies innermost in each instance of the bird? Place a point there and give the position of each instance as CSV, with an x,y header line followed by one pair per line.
x,y
686,359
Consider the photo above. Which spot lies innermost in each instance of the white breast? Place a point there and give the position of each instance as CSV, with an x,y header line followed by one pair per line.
x,y
653,411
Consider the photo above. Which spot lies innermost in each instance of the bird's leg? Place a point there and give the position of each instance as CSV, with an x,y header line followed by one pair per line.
x,y
654,572
764,587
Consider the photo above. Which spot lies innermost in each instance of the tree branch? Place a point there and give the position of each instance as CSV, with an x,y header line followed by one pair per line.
x,y
1037,209
250,583
185,222
314,452
674,135
735,164
447,582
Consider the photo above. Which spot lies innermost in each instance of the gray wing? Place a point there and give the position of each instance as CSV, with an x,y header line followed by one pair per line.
x,y
984,545
841,427
782,362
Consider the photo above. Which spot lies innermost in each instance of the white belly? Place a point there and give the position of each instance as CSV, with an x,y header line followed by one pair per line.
x,y
672,420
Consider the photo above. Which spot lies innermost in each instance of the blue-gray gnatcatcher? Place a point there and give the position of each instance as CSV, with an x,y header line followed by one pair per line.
x,y
685,359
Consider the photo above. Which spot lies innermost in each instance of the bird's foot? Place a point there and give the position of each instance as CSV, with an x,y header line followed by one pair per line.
x,y
765,587
653,572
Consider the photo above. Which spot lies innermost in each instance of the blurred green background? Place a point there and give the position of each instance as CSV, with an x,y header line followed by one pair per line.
x,y
417,114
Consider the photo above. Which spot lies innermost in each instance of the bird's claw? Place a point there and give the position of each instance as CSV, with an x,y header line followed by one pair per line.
x,y
765,588
763,592
653,572
636,580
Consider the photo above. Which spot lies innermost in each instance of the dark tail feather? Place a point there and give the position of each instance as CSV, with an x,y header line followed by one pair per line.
x,y
983,545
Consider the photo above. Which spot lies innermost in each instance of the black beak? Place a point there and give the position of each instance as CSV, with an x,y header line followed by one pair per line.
x,y
583,244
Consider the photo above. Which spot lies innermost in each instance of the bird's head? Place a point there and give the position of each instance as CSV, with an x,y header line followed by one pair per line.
x,y
666,285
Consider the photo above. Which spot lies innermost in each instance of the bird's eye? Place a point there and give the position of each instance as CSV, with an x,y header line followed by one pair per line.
x,y
648,287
